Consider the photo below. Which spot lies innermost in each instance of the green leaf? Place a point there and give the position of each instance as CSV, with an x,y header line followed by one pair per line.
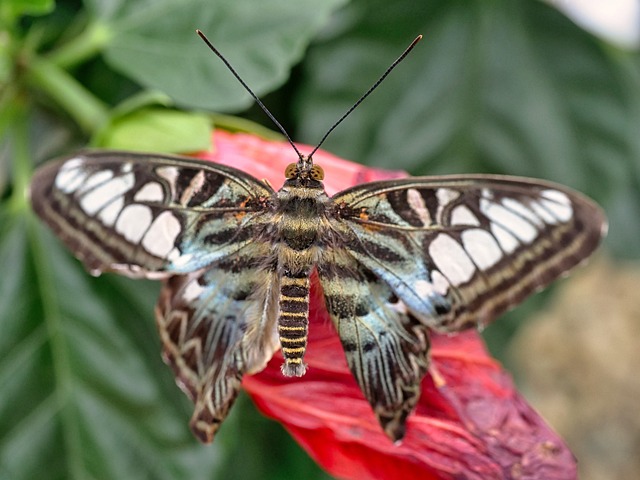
x,y
157,130
503,86
155,44
84,392
16,8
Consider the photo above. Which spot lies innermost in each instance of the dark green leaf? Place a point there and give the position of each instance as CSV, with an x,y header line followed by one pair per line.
x,y
155,44
503,86
84,392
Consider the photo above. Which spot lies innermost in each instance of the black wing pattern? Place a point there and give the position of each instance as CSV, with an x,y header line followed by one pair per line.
x,y
148,215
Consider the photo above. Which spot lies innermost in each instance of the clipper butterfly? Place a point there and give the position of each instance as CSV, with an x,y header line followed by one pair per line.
x,y
395,259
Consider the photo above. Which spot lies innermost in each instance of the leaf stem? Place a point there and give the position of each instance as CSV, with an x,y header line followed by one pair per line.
x,y
82,47
85,108
21,164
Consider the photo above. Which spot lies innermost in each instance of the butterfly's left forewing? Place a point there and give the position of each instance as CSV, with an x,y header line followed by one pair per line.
x,y
149,215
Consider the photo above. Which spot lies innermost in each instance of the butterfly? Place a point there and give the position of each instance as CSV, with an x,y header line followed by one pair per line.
x,y
395,260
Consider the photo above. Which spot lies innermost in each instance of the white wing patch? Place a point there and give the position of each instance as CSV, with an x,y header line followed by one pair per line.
x,y
510,221
150,192
544,213
170,174
451,259
438,286
195,185
461,215
192,291
161,236
178,258
445,196
70,176
558,203
523,211
481,247
107,191
133,222
440,283
507,242
109,214
95,180
423,288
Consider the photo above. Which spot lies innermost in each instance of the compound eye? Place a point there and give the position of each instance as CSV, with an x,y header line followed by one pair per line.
x,y
317,173
291,170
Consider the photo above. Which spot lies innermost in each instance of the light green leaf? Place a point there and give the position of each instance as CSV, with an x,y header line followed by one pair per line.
x,y
154,42
16,8
157,130
502,86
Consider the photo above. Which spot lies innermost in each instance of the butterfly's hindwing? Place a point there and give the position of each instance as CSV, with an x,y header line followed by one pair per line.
x,y
458,251
386,347
204,321
149,215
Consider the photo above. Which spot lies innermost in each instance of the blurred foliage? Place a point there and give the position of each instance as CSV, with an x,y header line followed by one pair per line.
x,y
498,87
495,86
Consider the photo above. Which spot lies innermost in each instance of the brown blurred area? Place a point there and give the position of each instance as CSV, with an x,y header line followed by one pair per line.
x,y
578,363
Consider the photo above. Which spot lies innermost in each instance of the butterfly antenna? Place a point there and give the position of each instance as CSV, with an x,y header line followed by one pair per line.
x,y
368,92
246,87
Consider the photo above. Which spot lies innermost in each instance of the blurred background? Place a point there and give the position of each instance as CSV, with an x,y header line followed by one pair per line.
x,y
521,87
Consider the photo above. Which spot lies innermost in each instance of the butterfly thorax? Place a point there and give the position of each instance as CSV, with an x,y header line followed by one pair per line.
x,y
301,209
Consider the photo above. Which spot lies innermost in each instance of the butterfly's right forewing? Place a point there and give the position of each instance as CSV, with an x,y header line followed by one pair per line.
x,y
149,215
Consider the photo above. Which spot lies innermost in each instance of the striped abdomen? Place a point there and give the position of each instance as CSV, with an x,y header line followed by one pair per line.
x,y
293,322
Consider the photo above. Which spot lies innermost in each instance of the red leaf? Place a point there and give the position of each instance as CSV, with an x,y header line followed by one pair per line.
x,y
470,422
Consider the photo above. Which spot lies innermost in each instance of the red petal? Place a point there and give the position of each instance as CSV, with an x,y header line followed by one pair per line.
x,y
472,425
266,159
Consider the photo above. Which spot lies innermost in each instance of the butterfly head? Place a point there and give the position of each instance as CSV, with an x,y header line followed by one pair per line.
x,y
304,173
